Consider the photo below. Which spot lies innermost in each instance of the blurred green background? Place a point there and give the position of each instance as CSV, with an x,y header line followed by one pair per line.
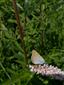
x,y
43,31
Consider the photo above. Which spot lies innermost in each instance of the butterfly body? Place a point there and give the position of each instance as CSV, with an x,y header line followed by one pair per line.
x,y
36,58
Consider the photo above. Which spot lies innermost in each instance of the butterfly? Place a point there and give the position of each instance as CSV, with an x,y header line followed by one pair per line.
x,y
36,58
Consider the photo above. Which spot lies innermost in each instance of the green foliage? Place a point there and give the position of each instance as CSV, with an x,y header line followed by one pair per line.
x,y
44,31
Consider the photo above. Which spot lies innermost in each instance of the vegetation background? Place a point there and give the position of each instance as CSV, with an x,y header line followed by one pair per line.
x,y
43,22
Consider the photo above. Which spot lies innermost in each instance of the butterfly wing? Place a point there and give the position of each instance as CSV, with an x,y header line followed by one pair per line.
x,y
36,58
39,61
